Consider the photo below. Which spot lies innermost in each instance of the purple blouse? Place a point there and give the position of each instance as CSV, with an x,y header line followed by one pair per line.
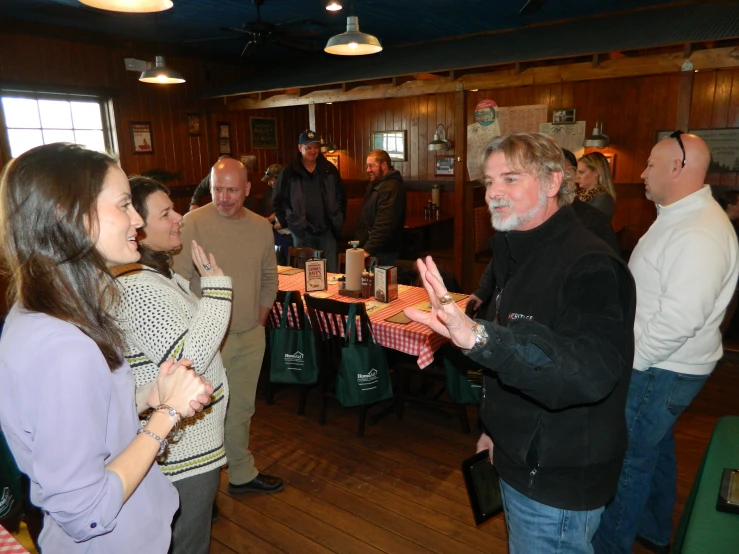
x,y
65,416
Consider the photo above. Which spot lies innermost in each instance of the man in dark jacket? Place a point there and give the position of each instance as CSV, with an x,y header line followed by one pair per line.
x,y
309,199
380,226
557,348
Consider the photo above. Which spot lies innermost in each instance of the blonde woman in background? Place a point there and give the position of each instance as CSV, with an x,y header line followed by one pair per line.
x,y
594,183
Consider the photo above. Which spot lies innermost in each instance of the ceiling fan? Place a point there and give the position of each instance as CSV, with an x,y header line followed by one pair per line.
x,y
258,33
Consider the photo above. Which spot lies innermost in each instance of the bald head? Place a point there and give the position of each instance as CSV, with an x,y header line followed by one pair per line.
x,y
229,187
666,180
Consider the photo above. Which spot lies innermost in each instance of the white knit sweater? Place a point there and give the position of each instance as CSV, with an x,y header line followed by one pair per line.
x,y
685,268
162,319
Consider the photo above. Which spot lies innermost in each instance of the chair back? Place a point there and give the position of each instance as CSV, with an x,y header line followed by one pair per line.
x,y
296,309
328,319
296,257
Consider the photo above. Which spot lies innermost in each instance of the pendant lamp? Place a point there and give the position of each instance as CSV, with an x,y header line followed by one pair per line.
x,y
597,139
440,143
161,74
333,5
130,6
353,42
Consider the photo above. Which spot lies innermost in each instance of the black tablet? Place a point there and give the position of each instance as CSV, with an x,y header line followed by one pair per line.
x,y
483,486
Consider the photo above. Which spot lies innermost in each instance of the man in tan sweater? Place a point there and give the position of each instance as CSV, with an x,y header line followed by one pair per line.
x,y
243,244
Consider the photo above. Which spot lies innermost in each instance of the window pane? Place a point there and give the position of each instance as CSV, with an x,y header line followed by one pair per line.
x,y
21,113
93,140
86,115
22,140
55,114
58,136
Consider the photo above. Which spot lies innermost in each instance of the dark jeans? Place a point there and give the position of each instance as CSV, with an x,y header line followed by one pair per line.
x,y
648,485
325,242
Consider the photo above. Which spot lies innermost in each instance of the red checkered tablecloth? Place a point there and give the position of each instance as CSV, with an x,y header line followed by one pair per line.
x,y
412,338
8,544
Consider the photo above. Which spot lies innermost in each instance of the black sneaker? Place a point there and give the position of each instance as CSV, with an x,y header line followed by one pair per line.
x,y
261,483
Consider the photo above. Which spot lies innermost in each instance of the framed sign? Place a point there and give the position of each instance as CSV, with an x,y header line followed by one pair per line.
x,y
568,115
334,159
141,140
224,137
444,165
263,132
392,142
193,124
723,144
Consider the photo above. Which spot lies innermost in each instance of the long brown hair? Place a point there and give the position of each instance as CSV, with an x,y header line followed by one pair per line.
x,y
48,212
141,188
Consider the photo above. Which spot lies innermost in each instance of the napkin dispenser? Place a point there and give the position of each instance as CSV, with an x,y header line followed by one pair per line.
x,y
354,267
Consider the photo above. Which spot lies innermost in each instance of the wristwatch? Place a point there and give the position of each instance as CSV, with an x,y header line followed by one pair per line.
x,y
481,337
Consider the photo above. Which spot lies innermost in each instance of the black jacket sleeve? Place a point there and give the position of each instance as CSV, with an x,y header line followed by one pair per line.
x,y
279,194
581,358
201,190
385,220
486,287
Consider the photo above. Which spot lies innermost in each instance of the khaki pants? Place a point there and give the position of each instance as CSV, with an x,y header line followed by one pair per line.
x,y
242,355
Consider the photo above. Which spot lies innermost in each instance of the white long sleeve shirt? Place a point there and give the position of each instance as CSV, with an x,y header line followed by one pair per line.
x,y
685,268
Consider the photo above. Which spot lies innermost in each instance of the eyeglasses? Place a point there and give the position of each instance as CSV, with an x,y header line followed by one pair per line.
x,y
370,166
676,136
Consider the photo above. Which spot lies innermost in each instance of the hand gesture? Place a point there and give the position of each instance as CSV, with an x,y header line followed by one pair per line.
x,y
206,263
446,318
485,443
182,388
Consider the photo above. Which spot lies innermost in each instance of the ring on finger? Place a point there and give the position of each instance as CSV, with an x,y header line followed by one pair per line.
x,y
446,299
207,267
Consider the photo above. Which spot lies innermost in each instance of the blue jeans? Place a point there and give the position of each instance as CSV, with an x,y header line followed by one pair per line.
x,y
647,488
325,242
535,528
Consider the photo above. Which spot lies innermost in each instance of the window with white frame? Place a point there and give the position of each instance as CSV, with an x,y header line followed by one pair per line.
x,y
33,120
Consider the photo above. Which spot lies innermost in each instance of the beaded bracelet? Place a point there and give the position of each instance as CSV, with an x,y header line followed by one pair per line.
x,y
162,442
173,414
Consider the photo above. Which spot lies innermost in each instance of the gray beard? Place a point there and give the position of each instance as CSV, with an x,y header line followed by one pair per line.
x,y
514,221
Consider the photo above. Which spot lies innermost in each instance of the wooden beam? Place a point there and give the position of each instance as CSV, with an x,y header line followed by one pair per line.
x,y
608,69
462,248
688,50
596,60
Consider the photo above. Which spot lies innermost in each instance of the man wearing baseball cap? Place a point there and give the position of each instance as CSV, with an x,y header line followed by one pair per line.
x,y
309,199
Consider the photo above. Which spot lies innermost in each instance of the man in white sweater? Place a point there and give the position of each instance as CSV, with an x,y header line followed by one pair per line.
x,y
685,268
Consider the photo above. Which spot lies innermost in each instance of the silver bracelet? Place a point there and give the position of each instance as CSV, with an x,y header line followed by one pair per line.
x,y
162,442
173,414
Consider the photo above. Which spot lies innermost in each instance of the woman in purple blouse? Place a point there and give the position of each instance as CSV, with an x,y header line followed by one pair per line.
x,y
68,406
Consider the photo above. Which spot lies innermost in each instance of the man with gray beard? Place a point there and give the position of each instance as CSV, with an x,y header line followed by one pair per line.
x,y
557,347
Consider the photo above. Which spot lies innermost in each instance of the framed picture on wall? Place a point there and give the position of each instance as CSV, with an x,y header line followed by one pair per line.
x,y
444,165
141,141
263,132
392,142
568,115
334,159
224,137
193,124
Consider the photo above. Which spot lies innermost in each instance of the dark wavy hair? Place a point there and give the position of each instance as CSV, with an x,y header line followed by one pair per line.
x,y
141,188
48,215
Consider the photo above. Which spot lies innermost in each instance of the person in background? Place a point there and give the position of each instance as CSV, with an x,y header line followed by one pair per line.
x,y
380,226
309,199
728,199
68,407
685,267
243,244
556,346
591,218
595,184
282,239
161,317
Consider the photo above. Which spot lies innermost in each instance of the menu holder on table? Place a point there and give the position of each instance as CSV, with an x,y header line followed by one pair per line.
x,y
315,275
483,486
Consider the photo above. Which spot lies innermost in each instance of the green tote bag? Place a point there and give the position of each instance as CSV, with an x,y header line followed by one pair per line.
x,y
363,376
293,351
463,377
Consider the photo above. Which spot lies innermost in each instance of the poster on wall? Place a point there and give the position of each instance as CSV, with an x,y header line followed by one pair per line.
x,y
263,132
570,136
478,138
141,140
522,119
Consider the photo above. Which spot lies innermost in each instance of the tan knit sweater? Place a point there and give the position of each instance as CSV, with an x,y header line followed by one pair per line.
x,y
244,249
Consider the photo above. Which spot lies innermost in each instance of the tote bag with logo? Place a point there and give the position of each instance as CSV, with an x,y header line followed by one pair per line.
x,y
293,351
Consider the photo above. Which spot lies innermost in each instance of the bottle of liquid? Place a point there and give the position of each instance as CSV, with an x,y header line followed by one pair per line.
x,y
435,195
365,284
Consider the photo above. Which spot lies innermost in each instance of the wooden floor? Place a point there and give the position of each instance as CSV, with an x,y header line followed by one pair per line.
x,y
399,488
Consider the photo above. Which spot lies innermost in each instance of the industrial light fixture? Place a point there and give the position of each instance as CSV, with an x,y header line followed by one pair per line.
x,y
597,139
130,6
440,142
161,74
333,5
329,146
353,42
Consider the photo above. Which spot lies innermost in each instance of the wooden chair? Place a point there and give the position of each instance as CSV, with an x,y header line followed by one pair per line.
x,y
297,311
327,317
296,257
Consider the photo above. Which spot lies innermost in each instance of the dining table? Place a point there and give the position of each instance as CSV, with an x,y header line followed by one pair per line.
x,y
409,337
8,543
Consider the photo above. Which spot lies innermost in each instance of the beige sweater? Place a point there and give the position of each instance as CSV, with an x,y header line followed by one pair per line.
x,y
244,249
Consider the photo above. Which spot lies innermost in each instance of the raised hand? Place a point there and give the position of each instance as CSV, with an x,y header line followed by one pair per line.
x,y
206,263
446,318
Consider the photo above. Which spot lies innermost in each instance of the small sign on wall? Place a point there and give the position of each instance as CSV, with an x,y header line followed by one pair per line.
x,y
263,132
141,140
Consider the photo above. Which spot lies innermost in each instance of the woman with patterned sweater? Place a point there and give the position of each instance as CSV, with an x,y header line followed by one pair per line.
x,y
162,319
